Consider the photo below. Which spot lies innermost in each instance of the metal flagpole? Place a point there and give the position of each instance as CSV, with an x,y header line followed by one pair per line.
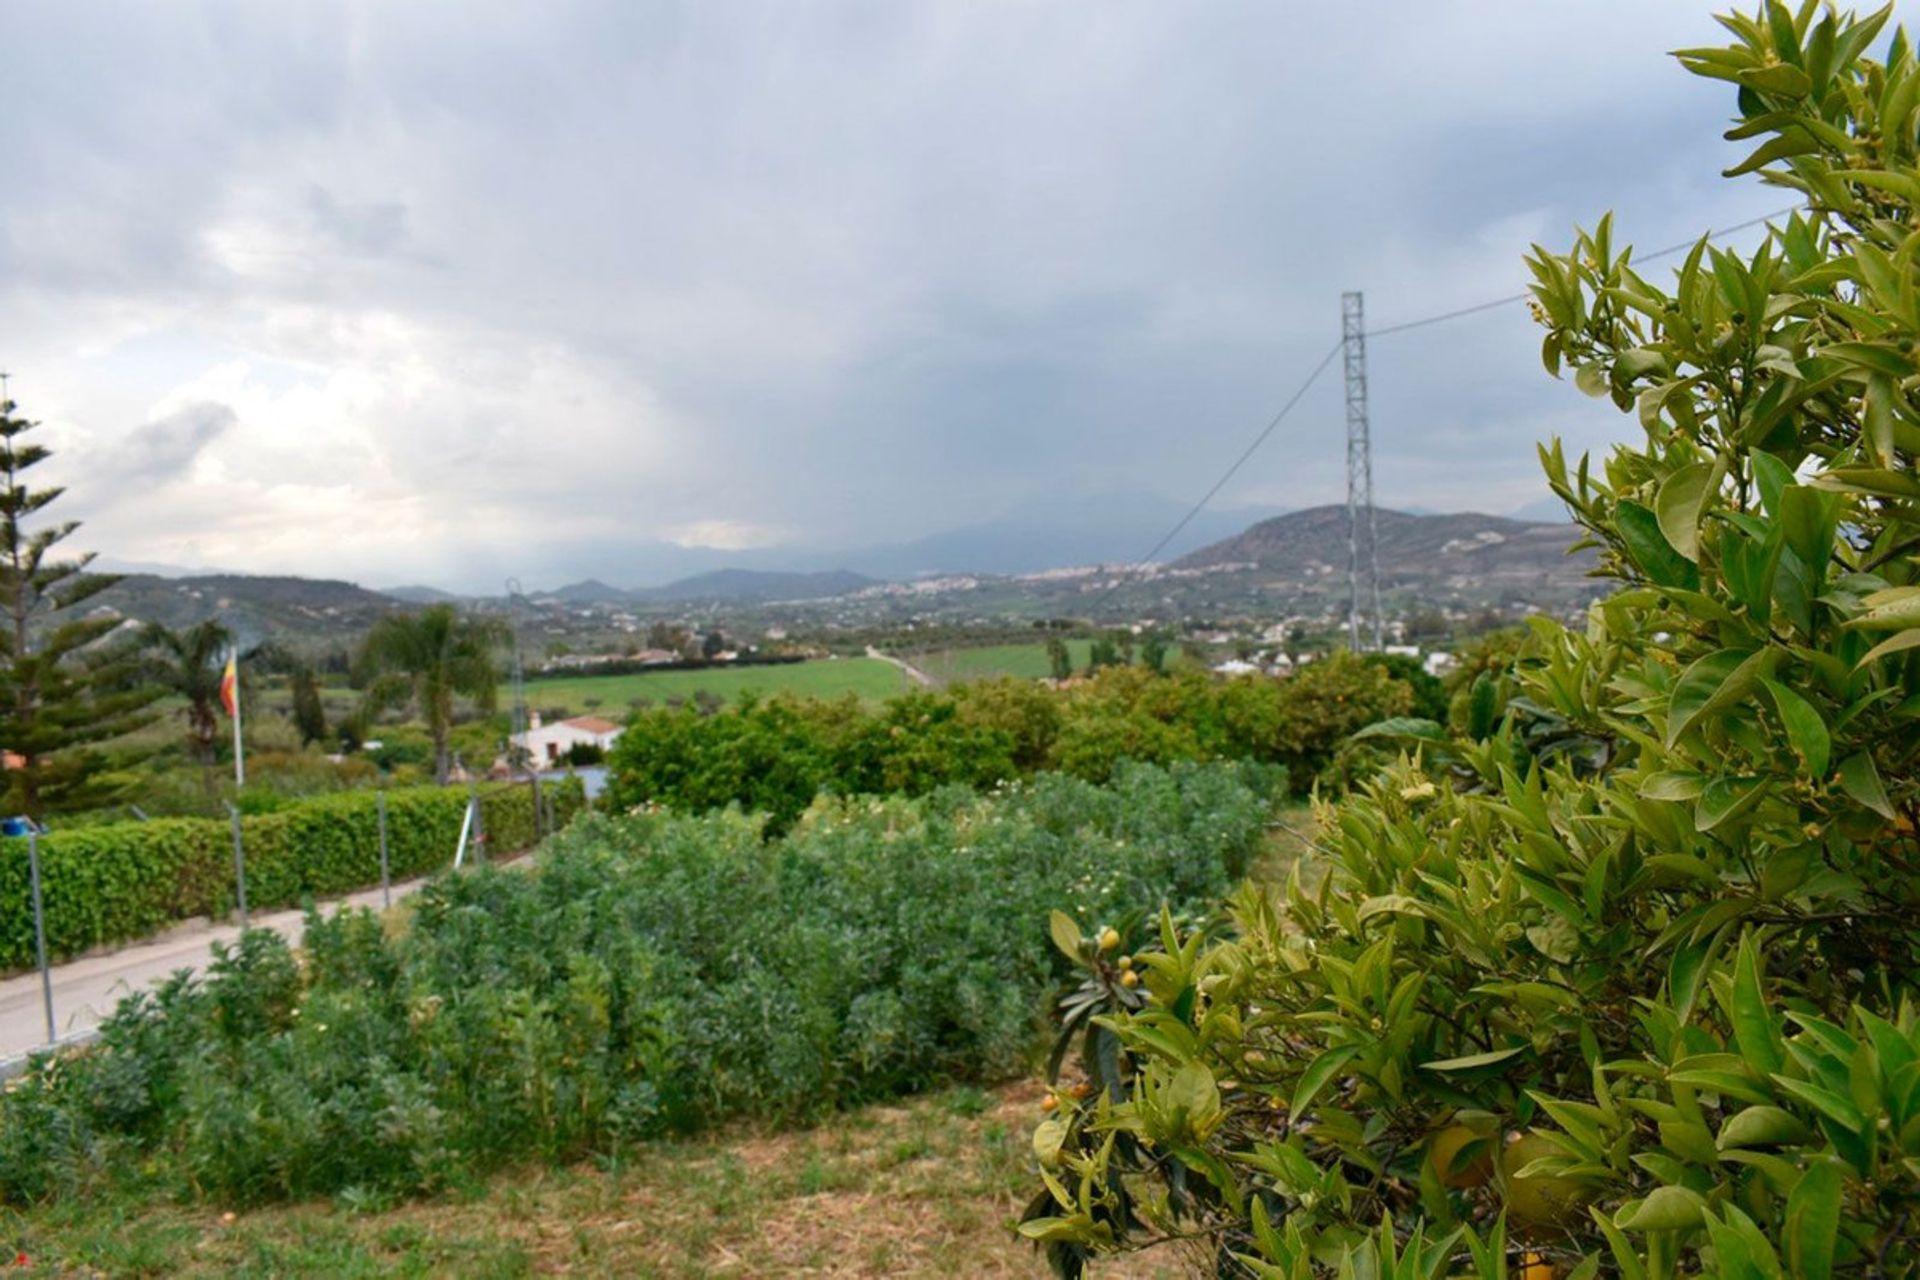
x,y
239,753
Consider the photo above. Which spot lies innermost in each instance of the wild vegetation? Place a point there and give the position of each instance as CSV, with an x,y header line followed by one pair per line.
x,y
774,757
1623,975
649,974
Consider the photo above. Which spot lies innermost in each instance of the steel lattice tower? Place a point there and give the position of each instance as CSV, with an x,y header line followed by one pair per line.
x,y
1363,556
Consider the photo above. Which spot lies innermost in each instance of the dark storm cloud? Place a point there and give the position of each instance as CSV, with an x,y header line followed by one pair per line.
x,y
159,451
494,284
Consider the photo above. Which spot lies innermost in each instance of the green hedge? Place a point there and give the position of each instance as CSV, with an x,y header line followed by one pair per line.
x,y
115,883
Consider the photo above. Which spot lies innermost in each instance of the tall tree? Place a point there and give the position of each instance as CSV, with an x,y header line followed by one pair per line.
x,y
1059,661
427,659
190,664
65,684
309,712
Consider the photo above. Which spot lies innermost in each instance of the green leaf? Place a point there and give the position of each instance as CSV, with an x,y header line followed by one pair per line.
x,y
1318,1073
1402,727
1726,799
1709,683
1894,609
1809,517
1891,645
1806,731
1753,1026
1666,1209
1678,505
1861,780
1763,1126
1780,80
1813,1222
1672,784
1592,379
1474,1061
1066,935
1649,549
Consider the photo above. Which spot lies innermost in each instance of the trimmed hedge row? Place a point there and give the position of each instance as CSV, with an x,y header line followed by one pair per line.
x,y
116,883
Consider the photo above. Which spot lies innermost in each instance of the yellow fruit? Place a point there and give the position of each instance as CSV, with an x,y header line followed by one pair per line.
x,y
1049,1102
1543,1200
1443,1149
1536,1266
1109,939
1125,962
1129,979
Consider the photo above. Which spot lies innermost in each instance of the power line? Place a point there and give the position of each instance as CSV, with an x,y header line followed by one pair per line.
x,y
1511,298
1272,424
1320,368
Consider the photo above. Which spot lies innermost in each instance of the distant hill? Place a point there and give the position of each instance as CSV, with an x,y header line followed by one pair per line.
x,y
257,608
1424,553
423,595
587,591
751,585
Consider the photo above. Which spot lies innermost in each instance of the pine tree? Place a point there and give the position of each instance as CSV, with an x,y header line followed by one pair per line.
x,y
65,684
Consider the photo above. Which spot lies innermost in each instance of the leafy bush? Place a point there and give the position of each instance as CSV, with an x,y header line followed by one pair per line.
x,y
650,973
113,883
1646,1007
774,756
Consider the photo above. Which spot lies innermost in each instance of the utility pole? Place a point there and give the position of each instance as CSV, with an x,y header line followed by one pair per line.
x,y
1363,554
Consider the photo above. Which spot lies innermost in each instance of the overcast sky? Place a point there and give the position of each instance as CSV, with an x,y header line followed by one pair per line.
x,y
444,292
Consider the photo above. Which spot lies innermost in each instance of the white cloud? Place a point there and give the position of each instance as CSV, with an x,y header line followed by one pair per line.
x,y
725,535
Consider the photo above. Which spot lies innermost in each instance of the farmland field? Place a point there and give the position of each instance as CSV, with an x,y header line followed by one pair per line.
x,y
868,678
1027,661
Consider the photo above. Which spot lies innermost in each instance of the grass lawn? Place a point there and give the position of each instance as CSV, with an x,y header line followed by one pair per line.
x,y
920,1188
869,678
1028,661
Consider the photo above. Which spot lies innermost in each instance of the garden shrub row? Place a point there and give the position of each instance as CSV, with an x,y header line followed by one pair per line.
x,y
650,973
113,883
774,756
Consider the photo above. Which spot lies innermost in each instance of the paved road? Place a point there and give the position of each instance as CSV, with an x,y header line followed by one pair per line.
x,y
86,990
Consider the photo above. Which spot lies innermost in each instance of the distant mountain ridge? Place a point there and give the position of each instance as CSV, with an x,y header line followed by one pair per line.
x,y
255,607
1495,552
726,586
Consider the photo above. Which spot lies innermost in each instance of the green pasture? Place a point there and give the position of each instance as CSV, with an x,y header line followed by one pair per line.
x,y
983,662
613,696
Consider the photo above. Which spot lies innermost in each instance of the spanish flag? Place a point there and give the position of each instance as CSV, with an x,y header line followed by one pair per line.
x,y
230,685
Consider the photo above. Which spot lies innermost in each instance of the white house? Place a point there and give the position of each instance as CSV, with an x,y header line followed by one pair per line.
x,y
547,745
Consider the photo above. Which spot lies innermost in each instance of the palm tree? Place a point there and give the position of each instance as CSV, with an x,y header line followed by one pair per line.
x,y
424,660
192,662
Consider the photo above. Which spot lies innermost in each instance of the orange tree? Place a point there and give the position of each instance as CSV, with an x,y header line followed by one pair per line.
x,y
1648,1009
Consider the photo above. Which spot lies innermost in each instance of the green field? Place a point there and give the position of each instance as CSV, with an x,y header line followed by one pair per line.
x,y
983,662
868,678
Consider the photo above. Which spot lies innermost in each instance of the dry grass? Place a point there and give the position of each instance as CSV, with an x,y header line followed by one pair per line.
x,y
924,1188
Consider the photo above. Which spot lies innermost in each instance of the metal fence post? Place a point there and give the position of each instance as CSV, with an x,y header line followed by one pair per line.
x,y
40,931
386,885
239,865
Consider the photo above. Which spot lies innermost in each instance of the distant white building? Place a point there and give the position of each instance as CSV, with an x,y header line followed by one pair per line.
x,y
1236,667
547,745
1438,663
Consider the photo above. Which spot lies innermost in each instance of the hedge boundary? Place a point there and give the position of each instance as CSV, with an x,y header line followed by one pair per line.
x,y
124,881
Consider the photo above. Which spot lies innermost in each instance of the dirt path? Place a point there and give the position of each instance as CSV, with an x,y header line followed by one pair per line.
x,y
913,673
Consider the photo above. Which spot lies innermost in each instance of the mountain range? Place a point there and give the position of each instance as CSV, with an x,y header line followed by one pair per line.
x,y
1295,562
